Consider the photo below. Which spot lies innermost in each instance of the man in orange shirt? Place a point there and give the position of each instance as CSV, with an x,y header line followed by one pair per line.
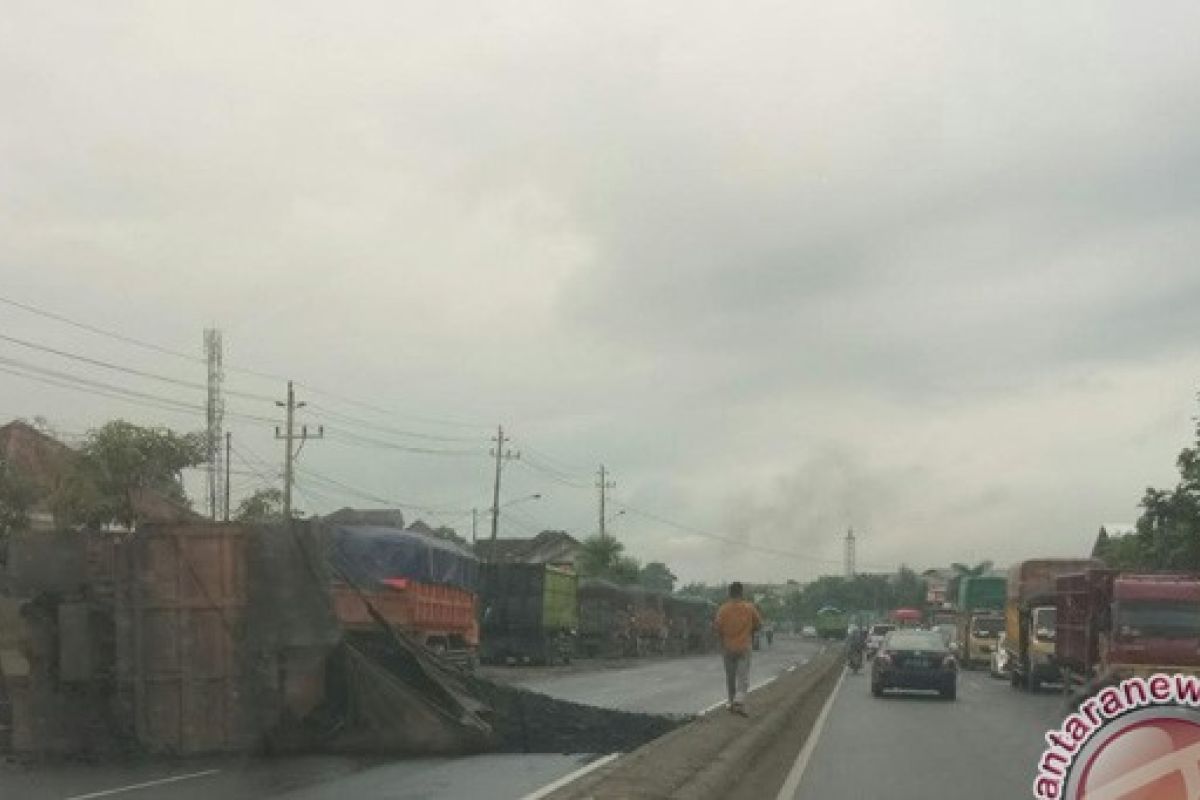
x,y
737,620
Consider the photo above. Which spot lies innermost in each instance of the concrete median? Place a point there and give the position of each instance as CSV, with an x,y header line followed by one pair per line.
x,y
721,755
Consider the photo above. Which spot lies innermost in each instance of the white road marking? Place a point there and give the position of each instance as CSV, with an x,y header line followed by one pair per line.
x,y
792,784
546,790
133,787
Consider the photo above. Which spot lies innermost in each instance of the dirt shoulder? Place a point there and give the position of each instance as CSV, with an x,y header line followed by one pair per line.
x,y
721,755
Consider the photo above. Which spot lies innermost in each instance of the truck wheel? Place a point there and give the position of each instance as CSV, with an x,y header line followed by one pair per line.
x,y
950,692
1034,683
876,689
1014,679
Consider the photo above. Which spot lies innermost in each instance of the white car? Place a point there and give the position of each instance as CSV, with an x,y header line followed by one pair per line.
x,y
875,637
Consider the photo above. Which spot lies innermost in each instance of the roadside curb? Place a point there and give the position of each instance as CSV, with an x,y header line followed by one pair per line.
x,y
715,755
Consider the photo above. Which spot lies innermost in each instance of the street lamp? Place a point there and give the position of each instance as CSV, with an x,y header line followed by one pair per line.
x,y
522,500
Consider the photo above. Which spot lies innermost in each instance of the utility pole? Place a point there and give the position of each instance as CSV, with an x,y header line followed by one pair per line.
x,y
501,455
474,525
214,417
289,455
603,484
228,448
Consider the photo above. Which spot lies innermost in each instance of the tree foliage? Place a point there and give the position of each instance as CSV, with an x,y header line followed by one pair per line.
x,y
656,575
117,461
1167,535
874,592
17,497
604,557
263,507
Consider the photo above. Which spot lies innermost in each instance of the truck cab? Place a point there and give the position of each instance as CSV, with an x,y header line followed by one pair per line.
x,y
1115,625
1155,626
1031,618
982,635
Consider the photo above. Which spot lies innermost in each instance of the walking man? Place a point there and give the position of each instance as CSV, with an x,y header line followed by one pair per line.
x,y
736,622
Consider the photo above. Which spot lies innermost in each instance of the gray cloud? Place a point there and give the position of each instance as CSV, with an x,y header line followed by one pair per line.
x,y
922,270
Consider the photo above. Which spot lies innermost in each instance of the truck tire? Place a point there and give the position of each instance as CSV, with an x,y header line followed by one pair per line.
x,y
950,692
1014,679
1033,682
876,689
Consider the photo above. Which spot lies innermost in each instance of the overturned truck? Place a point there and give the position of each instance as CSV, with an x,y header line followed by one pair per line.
x,y
198,638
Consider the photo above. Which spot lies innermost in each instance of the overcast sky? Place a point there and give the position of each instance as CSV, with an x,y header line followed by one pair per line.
x,y
927,269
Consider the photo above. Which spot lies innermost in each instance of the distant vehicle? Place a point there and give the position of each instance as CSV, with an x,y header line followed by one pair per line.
x,y
809,631
1030,618
905,617
949,632
943,616
1111,625
982,638
832,623
875,637
980,616
530,613
915,659
999,663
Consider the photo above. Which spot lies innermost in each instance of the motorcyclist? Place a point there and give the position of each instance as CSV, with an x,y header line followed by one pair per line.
x,y
856,645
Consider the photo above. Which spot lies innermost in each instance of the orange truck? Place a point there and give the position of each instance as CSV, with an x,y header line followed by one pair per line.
x,y
424,587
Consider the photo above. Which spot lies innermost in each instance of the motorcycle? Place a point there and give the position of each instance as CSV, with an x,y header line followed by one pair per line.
x,y
854,659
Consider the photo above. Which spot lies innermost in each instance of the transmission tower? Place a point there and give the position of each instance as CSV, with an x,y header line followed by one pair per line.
x,y
216,418
850,552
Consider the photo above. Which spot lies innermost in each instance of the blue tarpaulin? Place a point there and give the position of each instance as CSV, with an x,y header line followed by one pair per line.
x,y
367,555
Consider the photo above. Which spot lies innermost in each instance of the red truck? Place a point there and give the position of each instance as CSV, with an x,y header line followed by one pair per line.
x,y
1113,625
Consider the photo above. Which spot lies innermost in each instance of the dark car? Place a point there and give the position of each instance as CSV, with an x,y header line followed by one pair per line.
x,y
915,659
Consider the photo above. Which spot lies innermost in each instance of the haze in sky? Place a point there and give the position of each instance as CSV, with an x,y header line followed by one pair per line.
x,y
924,269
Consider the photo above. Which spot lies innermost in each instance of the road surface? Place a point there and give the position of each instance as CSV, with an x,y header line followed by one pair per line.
x,y
677,686
985,745
671,686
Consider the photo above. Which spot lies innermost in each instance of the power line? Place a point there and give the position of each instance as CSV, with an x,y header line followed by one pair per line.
x,y
348,437
553,475
374,426
727,539
95,362
157,348
562,465
66,380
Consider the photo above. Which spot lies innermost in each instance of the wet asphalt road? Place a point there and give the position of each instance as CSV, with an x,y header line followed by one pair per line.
x,y
671,686
678,686
983,746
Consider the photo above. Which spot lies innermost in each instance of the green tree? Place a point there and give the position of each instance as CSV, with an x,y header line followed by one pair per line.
x,y
264,507
604,557
597,555
1167,535
119,460
625,569
17,497
656,575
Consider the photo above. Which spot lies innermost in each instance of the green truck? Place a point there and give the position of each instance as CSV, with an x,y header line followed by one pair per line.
x,y
529,613
832,623
980,608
